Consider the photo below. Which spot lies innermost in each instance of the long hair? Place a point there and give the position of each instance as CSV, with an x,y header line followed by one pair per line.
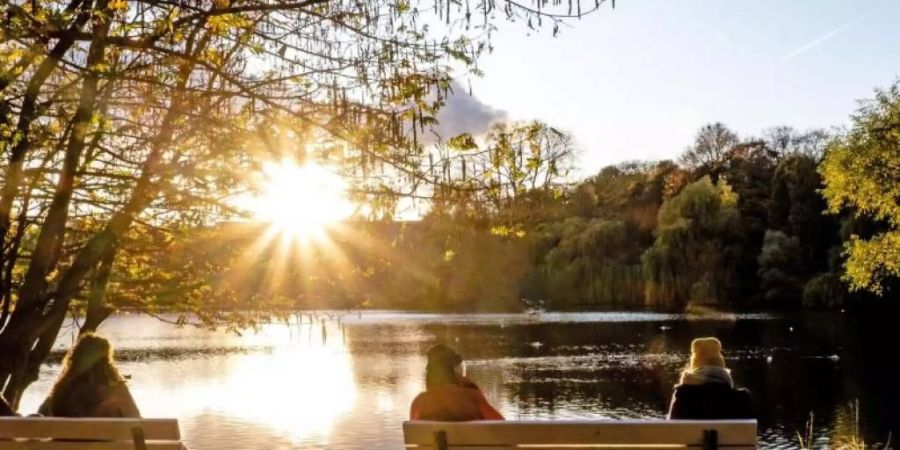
x,y
87,371
440,371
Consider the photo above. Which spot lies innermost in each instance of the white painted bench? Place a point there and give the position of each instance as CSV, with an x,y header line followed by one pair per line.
x,y
619,434
56,433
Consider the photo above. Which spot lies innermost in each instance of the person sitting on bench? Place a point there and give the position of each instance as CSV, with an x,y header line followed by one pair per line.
x,y
449,395
89,384
707,391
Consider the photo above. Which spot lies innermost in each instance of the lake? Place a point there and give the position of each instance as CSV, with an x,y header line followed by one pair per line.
x,y
347,382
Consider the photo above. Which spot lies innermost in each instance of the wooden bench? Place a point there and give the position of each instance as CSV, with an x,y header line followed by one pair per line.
x,y
55,433
619,434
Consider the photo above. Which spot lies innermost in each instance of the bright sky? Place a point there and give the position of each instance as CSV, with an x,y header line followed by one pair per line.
x,y
638,81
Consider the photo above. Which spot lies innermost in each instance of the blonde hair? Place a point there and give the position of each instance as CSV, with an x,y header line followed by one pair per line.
x,y
87,370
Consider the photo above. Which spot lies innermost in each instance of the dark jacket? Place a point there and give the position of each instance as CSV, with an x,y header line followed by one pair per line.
x,y
710,401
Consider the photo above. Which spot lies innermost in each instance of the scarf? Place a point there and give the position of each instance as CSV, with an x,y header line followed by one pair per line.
x,y
707,374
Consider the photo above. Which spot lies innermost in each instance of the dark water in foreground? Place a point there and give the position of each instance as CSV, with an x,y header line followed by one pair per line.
x,y
350,386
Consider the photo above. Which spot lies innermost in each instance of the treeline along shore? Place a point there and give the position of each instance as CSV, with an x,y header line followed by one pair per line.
x,y
736,223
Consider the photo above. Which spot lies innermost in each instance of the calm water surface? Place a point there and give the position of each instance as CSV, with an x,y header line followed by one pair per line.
x,y
347,383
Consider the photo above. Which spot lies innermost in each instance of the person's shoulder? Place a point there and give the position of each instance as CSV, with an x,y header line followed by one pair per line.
x,y
420,396
687,389
469,384
691,390
475,394
742,393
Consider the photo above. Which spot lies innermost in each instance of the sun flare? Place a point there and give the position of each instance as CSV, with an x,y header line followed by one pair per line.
x,y
302,201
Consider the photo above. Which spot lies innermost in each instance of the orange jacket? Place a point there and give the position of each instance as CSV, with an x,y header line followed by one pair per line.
x,y
453,404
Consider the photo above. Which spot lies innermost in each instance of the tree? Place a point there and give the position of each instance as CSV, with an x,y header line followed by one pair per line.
x,y
861,171
690,262
121,117
502,172
709,152
798,209
594,263
779,269
785,141
748,171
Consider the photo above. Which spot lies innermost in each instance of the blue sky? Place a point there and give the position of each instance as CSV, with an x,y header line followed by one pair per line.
x,y
638,81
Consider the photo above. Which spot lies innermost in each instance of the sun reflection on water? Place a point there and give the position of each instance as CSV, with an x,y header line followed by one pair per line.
x,y
297,390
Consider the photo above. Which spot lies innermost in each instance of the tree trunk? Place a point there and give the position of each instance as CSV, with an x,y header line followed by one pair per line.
x,y
22,369
27,343
97,309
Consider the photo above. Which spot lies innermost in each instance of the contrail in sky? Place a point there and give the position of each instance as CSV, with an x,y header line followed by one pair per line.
x,y
816,42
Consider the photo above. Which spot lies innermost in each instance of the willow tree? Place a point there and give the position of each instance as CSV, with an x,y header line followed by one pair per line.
x,y
861,172
692,258
125,118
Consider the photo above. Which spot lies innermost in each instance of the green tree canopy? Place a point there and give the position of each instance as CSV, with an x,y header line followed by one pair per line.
x,y
690,262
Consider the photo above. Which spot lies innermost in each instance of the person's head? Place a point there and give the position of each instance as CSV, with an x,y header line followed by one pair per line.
x,y
706,352
87,367
445,366
90,352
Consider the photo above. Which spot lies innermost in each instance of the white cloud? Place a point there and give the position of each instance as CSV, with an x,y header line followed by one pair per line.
x,y
465,113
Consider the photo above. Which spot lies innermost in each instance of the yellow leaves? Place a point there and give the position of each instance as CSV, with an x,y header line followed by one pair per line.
x,y
12,56
99,67
462,142
402,6
213,56
224,23
508,231
727,194
870,261
217,24
42,16
860,172
6,132
449,255
118,5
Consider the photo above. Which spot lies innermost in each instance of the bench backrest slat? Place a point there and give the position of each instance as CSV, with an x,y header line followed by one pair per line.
x,y
582,447
57,445
606,432
87,428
